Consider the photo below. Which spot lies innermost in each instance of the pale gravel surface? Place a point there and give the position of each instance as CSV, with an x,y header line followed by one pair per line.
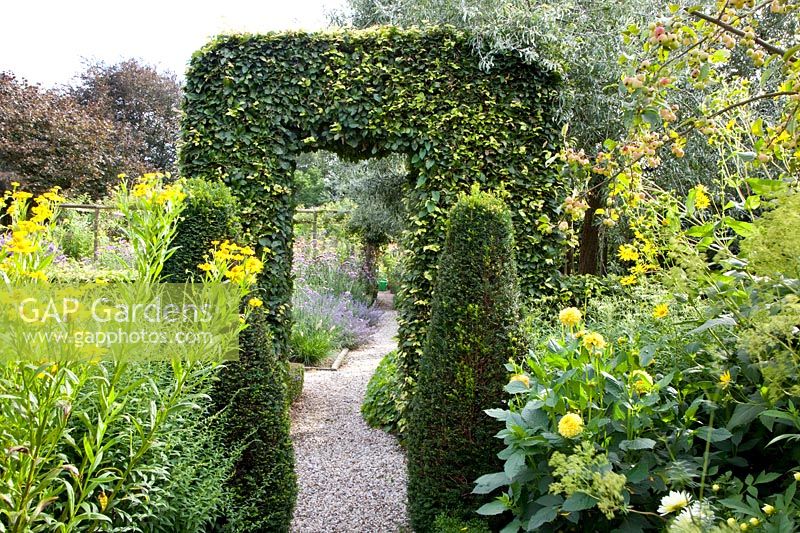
x,y
352,478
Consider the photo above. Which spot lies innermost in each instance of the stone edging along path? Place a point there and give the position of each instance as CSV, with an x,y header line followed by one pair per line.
x,y
352,478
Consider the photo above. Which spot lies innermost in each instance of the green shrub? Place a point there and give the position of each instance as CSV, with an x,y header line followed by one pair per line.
x,y
253,399
294,382
210,215
473,331
448,524
380,408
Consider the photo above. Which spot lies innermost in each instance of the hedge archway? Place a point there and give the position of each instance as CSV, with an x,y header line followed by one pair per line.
x,y
253,102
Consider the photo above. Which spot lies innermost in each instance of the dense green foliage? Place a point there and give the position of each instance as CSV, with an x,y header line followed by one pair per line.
x,y
253,102
211,214
294,382
473,332
380,409
447,524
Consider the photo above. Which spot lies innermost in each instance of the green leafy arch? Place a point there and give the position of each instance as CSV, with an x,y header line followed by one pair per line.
x,y
253,102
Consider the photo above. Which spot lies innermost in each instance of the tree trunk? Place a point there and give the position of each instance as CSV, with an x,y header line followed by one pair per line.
x,y
589,260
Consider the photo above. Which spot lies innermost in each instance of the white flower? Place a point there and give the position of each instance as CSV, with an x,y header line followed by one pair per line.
x,y
674,501
696,518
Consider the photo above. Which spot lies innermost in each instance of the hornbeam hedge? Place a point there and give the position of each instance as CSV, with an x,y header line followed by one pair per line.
x,y
254,102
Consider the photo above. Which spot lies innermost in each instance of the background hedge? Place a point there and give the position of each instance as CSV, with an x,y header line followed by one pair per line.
x,y
254,102
250,397
473,333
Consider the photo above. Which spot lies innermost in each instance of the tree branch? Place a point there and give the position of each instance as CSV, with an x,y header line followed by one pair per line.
x,y
736,31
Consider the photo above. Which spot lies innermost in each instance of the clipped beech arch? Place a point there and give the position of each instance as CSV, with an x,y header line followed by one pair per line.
x,y
253,102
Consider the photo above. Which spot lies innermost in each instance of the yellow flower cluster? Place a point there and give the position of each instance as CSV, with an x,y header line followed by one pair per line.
x,y
570,425
31,217
233,262
150,188
594,341
701,198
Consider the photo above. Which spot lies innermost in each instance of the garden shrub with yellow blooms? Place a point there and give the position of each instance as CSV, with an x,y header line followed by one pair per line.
x,y
108,445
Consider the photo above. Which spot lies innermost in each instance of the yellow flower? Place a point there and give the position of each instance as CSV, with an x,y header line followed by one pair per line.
x,y
725,379
768,509
570,316
715,487
522,378
754,521
661,310
641,381
628,280
37,275
594,341
570,425
205,267
701,199
628,253
103,500
255,302
797,476
15,184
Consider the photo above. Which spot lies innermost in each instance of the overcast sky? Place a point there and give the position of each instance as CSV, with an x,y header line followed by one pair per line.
x,y
45,41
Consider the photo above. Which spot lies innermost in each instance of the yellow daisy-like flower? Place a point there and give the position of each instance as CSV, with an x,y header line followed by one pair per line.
x,y
570,425
661,310
571,316
628,253
522,378
594,341
725,379
701,199
628,280
205,267
255,302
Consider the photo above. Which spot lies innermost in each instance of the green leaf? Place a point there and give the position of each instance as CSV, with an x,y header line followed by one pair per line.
x,y
744,413
578,502
637,444
726,321
541,517
651,117
492,508
743,229
713,435
766,187
490,482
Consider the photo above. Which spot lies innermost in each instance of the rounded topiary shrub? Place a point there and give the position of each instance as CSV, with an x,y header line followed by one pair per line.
x,y
472,333
211,214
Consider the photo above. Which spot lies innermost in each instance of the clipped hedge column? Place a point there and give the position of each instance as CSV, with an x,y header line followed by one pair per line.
x,y
472,333
211,214
251,394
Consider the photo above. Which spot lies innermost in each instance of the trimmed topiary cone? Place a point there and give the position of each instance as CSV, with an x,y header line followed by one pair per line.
x,y
472,334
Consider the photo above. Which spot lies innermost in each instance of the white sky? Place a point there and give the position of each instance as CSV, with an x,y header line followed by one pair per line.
x,y
45,41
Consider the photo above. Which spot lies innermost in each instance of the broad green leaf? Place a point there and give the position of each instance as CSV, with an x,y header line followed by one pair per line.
x,y
578,502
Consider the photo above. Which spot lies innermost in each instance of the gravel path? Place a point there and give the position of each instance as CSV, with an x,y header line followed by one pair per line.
x,y
352,478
